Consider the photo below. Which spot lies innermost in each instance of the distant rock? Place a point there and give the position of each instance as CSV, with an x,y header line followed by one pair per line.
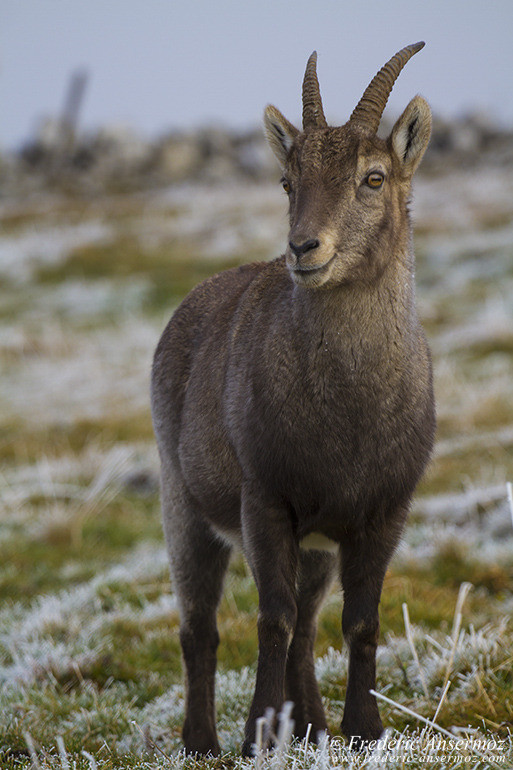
x,y
116,158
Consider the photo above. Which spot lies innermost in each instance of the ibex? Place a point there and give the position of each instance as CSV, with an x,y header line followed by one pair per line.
x,y
294,413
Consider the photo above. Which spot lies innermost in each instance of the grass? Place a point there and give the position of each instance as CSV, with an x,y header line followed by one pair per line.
x,y
89,647
20,444
135,652
72,549
171,270
451,473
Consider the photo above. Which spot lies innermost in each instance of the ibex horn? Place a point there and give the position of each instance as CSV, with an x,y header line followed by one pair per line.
x,y
369,109
313,115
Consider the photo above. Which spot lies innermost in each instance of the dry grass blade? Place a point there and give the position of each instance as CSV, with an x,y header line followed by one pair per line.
x,y
440,702
63,755
323,760
409,636
465,588
149,742
286,726
426,721
485,695
259,740
307,737
462,595
100,493
32,750
92,762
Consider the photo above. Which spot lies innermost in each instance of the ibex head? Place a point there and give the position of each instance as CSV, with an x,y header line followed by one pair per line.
x,y
348,189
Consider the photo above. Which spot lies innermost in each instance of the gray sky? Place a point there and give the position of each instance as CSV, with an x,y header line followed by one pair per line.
x,y
161,64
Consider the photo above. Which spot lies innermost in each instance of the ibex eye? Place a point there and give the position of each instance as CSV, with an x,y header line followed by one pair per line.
x,y
375,179
286,185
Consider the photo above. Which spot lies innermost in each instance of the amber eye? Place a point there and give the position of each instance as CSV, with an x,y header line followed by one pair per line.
x,y
375,179
285,185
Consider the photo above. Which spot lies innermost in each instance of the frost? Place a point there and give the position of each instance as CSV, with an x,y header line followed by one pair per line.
x,y
21,254
79,352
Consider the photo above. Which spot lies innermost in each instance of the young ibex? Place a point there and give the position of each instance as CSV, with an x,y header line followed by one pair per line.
x,y
293,407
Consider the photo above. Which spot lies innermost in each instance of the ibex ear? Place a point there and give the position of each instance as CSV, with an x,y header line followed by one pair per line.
x,y
410,135
279,133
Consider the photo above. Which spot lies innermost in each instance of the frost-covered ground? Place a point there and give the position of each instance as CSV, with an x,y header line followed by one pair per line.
x,y
90,668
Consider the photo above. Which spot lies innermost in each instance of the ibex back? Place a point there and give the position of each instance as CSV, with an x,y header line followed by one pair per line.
x,y
293,407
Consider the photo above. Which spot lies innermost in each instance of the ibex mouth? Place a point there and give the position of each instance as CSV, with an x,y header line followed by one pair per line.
x,y
304,273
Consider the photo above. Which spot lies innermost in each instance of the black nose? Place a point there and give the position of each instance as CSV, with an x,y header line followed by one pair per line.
x,y
302,248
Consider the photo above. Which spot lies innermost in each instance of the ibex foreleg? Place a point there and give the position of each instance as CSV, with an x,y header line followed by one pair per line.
x,y
365,558
317,570
272,552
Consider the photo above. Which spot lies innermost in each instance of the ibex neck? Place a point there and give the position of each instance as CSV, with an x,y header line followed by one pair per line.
x,y
360,310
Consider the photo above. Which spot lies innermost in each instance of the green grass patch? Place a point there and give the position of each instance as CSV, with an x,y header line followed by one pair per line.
x,y
171,270
66,210
71,550
453,566
103,716
430,593
499,344
452,473
144,655
492,412
22,443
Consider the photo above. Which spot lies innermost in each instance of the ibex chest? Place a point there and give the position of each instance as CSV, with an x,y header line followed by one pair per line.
x,y
337,434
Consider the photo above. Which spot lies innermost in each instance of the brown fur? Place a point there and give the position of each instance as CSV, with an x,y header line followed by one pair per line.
x,y
295,397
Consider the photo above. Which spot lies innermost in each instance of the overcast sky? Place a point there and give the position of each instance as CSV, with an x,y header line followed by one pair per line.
x,y
162,64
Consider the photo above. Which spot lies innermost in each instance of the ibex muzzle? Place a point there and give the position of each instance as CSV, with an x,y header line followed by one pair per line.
x,y
304,246
293,407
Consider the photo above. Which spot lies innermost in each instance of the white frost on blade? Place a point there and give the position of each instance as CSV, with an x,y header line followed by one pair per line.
x,y
490,544
27,644
57,492
455,506
475,651
331,666
234,690
49,474
98,374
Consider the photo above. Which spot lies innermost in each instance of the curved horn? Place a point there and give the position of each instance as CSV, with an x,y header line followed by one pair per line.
x,y
313,115
369,109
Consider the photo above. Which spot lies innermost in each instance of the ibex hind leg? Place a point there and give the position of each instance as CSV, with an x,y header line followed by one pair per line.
x,y
198,566
316,573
